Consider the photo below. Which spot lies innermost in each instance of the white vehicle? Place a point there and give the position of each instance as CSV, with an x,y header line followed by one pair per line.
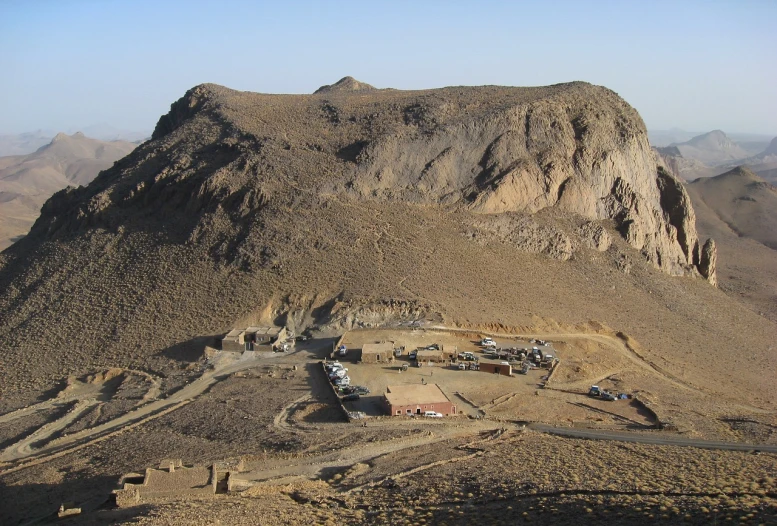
x,y
342,350
487,342
345,381
462,367
432,414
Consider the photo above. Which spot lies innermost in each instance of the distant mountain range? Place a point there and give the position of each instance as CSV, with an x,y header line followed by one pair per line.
x,y
754,142
28,142
712,148
714,153
24,143
27,181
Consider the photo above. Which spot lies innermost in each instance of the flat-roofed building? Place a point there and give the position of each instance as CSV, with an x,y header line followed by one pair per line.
x,y
430,357
234,341
415,399
378,352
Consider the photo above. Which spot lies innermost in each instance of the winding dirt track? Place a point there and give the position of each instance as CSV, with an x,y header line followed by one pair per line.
x,y
22,450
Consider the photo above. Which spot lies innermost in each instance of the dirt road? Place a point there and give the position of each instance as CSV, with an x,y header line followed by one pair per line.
x,y
313,467
23,449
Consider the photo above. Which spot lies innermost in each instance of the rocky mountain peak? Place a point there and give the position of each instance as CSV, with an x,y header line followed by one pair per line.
x,y
713,139
712,148
345,84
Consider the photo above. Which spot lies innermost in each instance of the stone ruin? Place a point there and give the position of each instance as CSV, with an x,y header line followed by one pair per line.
x,y
173,479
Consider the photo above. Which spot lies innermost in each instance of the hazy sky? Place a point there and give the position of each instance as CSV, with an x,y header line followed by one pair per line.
x,y
696,65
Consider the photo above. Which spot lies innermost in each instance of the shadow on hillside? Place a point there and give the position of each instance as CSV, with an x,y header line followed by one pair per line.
x,y
191,350
39,502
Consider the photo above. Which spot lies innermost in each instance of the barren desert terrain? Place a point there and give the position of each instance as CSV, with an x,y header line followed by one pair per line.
x,y
363,215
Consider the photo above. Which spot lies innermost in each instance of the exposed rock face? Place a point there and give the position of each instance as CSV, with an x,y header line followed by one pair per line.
x,y
524,233
181,110
560,151
594,236
679,212
709,261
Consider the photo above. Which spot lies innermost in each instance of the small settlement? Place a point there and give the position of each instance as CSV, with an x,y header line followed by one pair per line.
x,y
415,394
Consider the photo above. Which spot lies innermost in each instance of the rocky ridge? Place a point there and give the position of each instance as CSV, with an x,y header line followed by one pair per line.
x,y
529,152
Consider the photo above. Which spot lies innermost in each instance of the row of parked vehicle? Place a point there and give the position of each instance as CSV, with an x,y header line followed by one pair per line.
x,y
338,374
604,394
353,392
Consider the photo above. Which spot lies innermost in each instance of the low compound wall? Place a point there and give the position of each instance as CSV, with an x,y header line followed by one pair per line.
x,y
339,402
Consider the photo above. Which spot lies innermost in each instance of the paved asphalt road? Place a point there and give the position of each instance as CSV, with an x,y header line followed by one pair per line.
x,y
658,438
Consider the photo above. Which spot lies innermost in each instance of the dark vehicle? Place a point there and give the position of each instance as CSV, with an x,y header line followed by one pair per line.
x,y
351,397
606,395
361,390
412,355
